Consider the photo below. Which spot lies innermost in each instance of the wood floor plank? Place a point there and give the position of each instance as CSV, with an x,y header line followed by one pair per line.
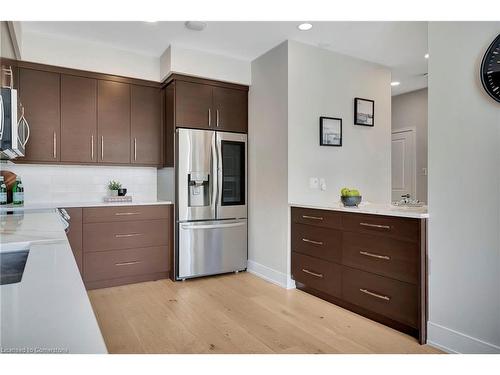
x,y
235,313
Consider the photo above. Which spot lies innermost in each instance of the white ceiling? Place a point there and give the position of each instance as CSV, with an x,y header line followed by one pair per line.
x,y
401,46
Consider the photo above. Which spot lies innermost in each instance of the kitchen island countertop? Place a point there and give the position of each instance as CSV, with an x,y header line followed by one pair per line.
x,y
48,311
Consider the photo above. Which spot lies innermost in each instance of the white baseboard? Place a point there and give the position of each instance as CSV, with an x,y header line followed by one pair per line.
x,y
452,341
269,274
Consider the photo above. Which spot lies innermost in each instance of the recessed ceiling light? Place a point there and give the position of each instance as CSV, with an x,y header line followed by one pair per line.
x,y
395,83
151,21
426,55
195,25
305,26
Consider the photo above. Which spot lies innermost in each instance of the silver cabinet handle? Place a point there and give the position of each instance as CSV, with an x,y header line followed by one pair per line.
x,y
372,255
102,147
313,242
126,213
127,235
135,148
376,295
375,226
209,117
319,275
217,116
92,147
312,217
54,151
128,263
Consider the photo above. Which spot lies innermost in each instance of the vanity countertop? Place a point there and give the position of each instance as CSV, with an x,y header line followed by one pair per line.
x,y
48,311
374,209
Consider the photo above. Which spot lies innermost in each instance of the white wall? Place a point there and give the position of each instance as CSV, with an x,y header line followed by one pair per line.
x,y
80,54
72,183
267,175
206,65
464,191
410,111
324,83
6,45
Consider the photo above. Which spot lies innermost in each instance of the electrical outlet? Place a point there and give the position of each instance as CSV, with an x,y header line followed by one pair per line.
x,y
313,182
322,184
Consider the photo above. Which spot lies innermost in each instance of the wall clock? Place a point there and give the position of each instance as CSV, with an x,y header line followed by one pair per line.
x,y
490,70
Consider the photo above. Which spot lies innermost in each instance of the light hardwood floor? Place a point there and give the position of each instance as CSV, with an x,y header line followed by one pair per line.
x,y
235,313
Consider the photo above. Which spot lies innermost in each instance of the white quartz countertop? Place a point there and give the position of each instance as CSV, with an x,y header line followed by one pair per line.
x,y
48,311
374,209
49,205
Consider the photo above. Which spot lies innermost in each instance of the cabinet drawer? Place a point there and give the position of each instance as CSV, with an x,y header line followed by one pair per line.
x,y
318,242
125,213
396,227
395,299
316,273
320,218
124,235
381,255
122,263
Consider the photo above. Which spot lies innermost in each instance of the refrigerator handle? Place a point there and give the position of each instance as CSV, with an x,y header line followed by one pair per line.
x,y
215,178
213,226
219,173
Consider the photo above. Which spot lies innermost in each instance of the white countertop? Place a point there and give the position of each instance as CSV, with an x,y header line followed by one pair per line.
x,y
374,209
49,205
49,310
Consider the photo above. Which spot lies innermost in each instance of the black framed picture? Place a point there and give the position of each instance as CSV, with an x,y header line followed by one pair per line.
x,y
330,131
364,112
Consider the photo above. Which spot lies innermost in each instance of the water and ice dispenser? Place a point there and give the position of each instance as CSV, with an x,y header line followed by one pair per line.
x,y
198,189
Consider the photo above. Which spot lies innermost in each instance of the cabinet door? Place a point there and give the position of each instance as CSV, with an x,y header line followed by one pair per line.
x,y
78,119
113,122
40,96
193,105
145,125
231,109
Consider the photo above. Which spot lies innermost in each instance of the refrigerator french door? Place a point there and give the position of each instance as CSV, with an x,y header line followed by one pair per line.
x,y
211,205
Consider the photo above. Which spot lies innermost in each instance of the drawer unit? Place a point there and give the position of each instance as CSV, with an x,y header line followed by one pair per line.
x,y
317,242
396,227
320,218
384,256
394,299
125,263
124,235
371,264
124,213
316,273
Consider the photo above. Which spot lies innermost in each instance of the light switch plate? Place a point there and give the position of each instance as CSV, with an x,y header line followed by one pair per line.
x,y
313,182
322,184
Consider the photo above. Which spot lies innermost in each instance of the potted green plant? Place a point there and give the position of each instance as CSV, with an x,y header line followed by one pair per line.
x,y
113,187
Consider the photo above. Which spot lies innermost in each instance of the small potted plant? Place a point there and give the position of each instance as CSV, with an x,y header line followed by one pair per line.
x,y
113,187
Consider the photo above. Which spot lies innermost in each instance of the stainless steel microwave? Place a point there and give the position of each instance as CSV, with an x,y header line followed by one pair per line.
x,y
14,131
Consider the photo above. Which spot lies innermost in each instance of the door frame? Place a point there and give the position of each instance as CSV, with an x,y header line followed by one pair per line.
x,y
413,131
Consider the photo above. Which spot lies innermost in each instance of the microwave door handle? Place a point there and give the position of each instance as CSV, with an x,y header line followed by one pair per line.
x,y
1,117
27,127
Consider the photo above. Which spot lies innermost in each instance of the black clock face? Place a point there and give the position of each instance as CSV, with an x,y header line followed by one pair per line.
x,y
490,70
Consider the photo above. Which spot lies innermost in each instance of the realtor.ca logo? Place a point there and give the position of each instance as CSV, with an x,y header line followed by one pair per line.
x,y
35,350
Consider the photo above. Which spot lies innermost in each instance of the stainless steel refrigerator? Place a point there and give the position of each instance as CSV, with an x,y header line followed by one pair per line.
x,y
211,209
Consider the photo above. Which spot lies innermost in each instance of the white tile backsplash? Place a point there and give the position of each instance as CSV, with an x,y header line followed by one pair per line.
x,y
77,183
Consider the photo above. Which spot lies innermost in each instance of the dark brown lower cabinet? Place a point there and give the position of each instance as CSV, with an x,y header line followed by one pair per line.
x,y
123,244
373,265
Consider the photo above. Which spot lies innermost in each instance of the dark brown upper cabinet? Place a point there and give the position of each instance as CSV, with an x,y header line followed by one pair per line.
x,y
78,119
40,96
231,109
145,125
113,122
193,105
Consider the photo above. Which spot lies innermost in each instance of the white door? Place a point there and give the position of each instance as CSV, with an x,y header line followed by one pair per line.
x,y
403,164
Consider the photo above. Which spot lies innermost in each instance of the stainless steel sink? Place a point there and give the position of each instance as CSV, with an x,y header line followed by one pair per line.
x,y
12,263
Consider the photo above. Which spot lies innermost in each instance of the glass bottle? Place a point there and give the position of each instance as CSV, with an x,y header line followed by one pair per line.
x,y
18,192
